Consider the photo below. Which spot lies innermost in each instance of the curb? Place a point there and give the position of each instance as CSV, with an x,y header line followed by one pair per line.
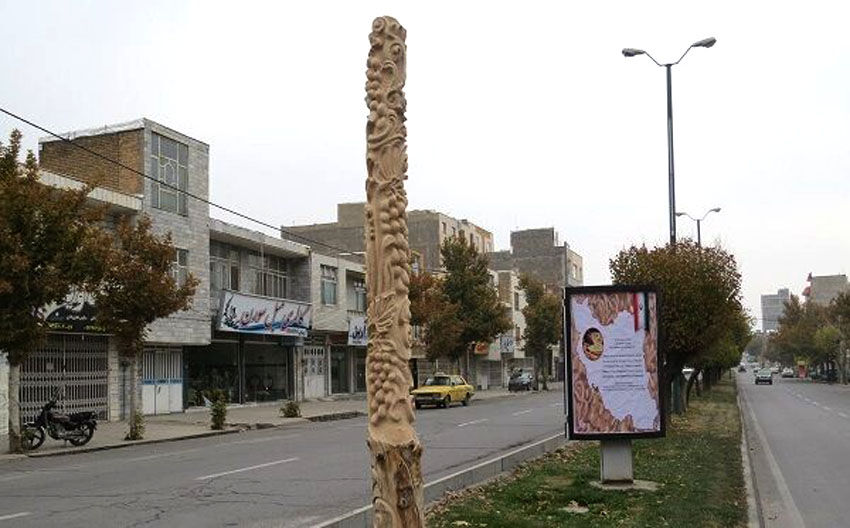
x,y
75,451
237,428
476,474
755,517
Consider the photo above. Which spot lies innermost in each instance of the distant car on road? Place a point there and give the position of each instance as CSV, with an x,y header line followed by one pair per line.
x,y
742,368
442,390
521,382
787,372
774,369
764,375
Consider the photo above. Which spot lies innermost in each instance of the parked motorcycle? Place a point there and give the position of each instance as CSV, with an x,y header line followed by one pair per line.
x,y
77,428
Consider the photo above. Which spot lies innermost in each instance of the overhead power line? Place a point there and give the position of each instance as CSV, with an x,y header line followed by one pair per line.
x,y
226,209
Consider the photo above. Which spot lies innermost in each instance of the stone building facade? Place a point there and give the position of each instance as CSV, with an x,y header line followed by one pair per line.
x,y
165,156
822,289
539,253
427,230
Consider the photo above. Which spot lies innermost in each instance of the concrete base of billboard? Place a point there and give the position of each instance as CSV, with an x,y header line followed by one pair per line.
x,y
640,485
615,462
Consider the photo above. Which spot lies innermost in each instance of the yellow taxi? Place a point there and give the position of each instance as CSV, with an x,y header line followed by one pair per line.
x,y
442,390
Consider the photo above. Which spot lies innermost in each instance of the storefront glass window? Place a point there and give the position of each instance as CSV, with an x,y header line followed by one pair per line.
x,y
266,372
213,368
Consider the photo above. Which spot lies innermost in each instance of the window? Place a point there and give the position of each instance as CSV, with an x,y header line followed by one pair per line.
x,y
328,285
575,271
444,228
271,275
224,267
169,165
180,266
454,231
516,300
518,335
359,296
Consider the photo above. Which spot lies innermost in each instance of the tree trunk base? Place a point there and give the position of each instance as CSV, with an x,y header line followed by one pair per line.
x,y
397,500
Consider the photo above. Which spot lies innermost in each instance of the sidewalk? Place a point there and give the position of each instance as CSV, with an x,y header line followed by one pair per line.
x,y
195,422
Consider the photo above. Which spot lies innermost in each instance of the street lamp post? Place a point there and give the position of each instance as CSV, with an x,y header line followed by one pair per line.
x,y
699,221
632,52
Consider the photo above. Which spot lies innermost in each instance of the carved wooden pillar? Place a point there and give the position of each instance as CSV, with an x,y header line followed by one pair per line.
x,y
396,453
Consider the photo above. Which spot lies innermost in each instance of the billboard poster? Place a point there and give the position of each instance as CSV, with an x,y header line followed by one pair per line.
x,y
253,314
612,363
357,333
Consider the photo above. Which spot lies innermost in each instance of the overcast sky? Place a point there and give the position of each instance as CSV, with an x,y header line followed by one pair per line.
x,y
520,115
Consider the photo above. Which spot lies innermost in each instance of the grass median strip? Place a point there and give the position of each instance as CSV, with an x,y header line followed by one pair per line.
x,y
698,467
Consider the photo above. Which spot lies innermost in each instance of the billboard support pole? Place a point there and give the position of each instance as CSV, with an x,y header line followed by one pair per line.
x,y
615,461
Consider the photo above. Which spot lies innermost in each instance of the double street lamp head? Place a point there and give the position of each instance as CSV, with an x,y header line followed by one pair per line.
x,y
704,43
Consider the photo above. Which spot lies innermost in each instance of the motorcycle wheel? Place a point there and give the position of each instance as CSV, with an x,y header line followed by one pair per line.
x,y
32,437
87,432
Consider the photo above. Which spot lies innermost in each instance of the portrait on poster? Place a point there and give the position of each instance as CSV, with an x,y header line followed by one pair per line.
x,y
613,362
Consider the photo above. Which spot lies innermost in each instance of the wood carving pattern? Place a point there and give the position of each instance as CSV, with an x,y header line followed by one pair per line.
x,y
396,453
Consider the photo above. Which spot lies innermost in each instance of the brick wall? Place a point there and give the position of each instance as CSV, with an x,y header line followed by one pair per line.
x,y
126,147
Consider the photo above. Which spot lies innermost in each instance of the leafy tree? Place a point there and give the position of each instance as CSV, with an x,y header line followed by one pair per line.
x,y
431,311
757,346
542,321
137,288
724,353
467,286
48,246
839,314
700,298
797,327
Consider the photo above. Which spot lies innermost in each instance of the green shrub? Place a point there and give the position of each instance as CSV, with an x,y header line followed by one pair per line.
x,y
291,410
218,411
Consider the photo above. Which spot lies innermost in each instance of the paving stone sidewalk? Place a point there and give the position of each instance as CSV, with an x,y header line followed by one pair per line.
x,y
195,422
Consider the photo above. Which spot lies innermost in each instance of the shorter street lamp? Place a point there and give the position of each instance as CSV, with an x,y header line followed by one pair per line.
x,y
699,221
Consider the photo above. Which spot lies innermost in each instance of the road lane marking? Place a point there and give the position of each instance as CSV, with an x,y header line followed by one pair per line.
x,y
841,414
473,422
521,412
14,516
781,485
555,404
816,404
261,440
825,408
161,455
249,468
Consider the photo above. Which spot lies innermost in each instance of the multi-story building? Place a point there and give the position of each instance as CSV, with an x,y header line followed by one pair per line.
x,y
427,230
822,289
260,313
77,356
772,308
539,253
270,319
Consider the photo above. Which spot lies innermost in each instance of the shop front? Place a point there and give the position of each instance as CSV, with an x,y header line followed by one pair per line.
x,y
348,357
252,356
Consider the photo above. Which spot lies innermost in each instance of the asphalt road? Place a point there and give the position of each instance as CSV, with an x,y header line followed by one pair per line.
x,y
799,436
291,477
